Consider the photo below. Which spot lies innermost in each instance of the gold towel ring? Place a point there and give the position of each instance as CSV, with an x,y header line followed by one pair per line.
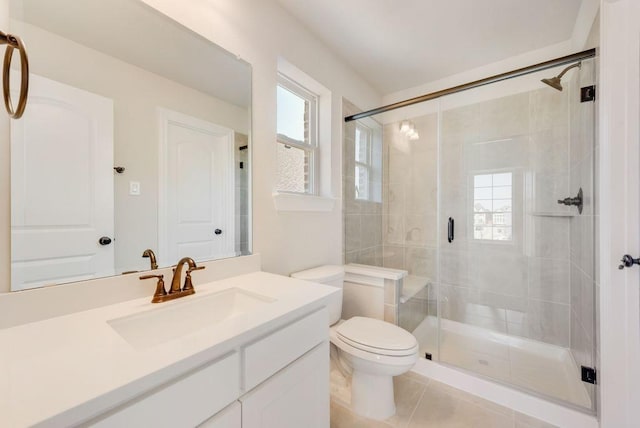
x,y
14,42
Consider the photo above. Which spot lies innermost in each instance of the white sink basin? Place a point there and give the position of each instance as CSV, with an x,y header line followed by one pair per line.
x,y
183,317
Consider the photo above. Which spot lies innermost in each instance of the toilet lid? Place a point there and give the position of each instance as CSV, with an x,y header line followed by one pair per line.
x,y
377,336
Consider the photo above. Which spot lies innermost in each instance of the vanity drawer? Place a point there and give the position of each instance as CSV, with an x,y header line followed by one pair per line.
x,y
268,355
188,401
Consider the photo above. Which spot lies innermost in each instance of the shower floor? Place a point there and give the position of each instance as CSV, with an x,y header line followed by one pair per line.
x,y
544,368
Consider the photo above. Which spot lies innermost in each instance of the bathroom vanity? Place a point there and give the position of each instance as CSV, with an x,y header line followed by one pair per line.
x,y
247,351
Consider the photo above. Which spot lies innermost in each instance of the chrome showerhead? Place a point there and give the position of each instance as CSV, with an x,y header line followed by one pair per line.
x,y
555,82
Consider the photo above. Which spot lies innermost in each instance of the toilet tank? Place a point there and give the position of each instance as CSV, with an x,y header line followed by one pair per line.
x,y
332,275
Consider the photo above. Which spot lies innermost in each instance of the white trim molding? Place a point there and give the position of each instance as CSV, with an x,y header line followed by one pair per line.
x,y
619,182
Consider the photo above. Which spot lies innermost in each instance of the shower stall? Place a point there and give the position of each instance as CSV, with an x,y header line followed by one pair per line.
x,y
487,200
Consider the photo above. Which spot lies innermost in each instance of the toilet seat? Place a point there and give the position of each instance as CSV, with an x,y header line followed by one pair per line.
x,y
377,337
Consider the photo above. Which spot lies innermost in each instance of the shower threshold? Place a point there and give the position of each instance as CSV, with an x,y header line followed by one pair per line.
x,y
546,369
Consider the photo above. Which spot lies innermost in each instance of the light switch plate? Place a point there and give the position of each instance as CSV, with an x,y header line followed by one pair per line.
x,y
134,188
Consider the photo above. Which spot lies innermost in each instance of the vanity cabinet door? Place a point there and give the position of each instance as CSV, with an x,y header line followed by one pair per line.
x,y
231,417
295,397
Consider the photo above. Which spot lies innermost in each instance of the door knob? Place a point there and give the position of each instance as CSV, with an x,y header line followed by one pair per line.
x,y
105,240
628,261
217,231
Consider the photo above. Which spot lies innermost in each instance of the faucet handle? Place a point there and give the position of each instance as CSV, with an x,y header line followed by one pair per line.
x,y
160,290
188,285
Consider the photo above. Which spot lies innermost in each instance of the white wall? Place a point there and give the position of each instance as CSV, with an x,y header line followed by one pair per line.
x,y
259,32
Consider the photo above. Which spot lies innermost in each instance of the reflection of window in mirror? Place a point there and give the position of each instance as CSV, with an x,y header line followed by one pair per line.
x,y
296,137
493,206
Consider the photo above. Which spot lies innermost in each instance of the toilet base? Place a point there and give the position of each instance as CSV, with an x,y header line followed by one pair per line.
x,y
372,396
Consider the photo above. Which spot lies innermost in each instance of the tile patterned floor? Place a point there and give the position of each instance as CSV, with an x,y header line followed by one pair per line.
x,y
424,403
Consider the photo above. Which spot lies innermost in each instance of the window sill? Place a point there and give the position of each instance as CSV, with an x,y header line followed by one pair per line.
x,y
298,202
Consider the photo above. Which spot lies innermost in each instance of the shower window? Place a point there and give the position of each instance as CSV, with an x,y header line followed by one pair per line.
x,y
493,207
363,162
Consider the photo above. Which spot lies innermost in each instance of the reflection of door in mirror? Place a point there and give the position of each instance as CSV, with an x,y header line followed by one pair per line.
x,y
61,186
197,189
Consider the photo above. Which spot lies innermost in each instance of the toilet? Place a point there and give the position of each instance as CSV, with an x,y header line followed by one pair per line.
x,y
373,350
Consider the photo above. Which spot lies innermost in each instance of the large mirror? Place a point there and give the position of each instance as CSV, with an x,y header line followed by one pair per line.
x,y
135,138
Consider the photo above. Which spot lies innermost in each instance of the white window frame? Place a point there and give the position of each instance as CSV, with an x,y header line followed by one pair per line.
x,y
327,181
472,199
311,146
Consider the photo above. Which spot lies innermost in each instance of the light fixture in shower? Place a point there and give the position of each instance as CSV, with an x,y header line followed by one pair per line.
x,y
554,82
407,128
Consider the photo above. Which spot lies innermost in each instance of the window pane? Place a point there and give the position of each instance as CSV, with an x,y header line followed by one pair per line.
x,y
502,192
502,179
482,206
502,205
481,232
293,169
482,180
362,145
480,219
482,193
501,233
493,207
362,182
293,112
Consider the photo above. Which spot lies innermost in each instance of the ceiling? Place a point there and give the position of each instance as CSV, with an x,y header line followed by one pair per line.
x,y
396,45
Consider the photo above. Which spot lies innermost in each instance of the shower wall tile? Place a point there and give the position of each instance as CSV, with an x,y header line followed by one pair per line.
x,y
370,230
587,307
503,117
499,271
549,322
551,237
454,267
549,152
352,232
421,262
419,230
548,109
393,256
549,280
395,203
459,121
393,233
547,189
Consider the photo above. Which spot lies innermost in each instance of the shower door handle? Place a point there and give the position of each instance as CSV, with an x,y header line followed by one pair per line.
x,y
450,230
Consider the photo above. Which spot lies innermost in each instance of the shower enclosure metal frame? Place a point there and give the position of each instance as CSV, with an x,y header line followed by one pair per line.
x,y
568,59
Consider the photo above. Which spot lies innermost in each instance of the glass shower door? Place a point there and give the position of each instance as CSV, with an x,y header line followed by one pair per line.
x,y
515,268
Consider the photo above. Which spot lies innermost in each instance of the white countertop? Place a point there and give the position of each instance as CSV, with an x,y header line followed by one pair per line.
x,y
64,370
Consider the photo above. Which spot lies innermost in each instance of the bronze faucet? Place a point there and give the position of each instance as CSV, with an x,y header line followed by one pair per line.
x,y
148,253
176,290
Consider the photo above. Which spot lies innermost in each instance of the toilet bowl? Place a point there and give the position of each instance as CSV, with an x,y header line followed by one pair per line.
x,y
373,350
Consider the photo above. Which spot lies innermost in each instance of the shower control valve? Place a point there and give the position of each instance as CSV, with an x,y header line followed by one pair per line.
x,y
628,261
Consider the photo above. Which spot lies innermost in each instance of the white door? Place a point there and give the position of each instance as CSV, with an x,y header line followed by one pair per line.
x,y
196,203
620,213
61,186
